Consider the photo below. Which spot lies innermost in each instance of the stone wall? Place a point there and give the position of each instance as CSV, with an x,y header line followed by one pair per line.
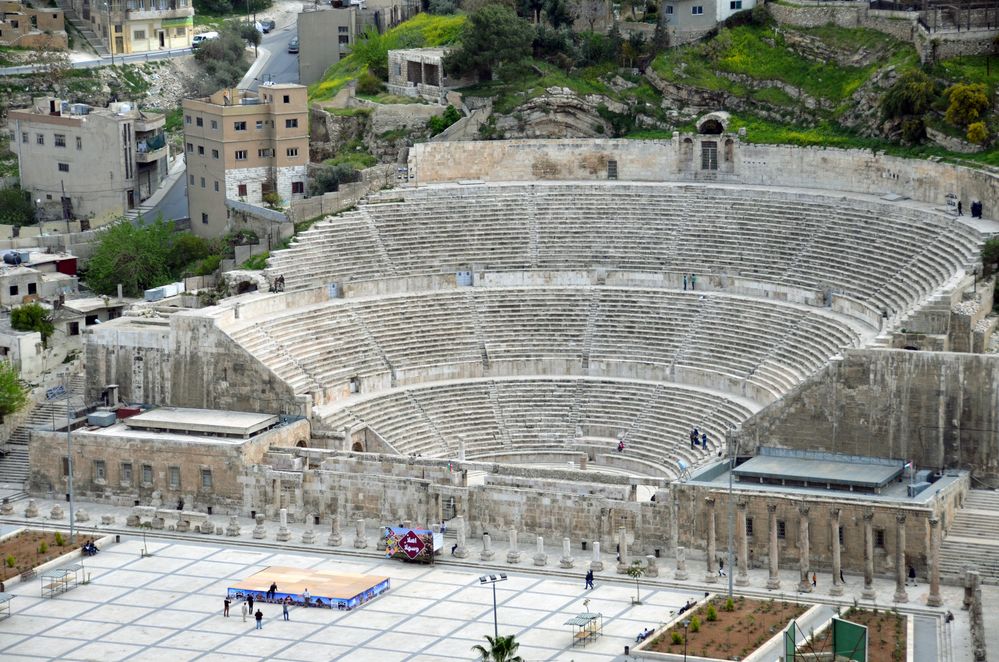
x,y
898,24
939,409
372,179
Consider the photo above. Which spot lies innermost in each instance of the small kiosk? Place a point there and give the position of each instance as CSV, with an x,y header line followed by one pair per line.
x,y
586,627
59,581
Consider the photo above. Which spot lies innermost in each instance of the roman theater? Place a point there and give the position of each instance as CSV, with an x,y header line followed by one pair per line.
x,y
518,338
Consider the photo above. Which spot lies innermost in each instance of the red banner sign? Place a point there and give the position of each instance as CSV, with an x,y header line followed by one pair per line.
x,y
411,544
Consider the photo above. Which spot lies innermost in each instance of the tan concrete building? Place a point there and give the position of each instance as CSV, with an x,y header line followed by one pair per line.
x,y
90,163
243,145
420,72
26,27
139,26
318,49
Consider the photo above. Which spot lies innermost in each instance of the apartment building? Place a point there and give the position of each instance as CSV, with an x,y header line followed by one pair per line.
x,y
81,162
318,51
26,27
243,145
139,26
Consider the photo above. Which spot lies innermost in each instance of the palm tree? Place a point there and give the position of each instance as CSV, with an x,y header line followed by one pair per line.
x,y
501,649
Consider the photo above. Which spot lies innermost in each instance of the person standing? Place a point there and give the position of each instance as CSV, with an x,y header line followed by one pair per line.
x,y
589,579
693,281
815,580
245,610
272,591
249,600
960,208
684,282
704,439
225,607
260,619
912,575
284,609
306,595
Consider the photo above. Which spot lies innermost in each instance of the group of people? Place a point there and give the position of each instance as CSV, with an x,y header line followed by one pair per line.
x,y
698,438
89,548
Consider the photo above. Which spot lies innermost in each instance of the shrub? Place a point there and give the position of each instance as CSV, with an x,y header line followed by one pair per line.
x,y
676,638
60,540
32,317
368,83
967,103
10,560
256,262
913,130
730,605
43,547
695,624
990,256
438,123
207,266
16,207
328,178
712,613
977,133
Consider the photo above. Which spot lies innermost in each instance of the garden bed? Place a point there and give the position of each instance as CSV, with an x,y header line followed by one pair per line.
x,y
28,549
886,634
726,629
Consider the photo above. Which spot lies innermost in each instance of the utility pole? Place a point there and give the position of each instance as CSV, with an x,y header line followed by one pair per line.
x,y
731,511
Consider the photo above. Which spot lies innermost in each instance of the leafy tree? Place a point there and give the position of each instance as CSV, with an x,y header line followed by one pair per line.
x,y
560,13
501,649
223,7
137,256
591,11
371,49
636,570
222,61
251,34
16,207
187,248
369,83
438,123
912,94
493,36
32,317
978,133
13,395
967,102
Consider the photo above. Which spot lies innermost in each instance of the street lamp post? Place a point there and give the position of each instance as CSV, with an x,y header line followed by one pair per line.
x,y
107,5
731,511
60,393
686,624
493,579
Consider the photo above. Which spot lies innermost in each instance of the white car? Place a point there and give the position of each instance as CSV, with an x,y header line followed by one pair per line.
x,y
202,38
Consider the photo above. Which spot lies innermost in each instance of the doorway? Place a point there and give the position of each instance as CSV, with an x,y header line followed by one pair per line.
x,y
162,34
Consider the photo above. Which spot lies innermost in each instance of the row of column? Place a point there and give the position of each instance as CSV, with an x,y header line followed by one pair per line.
x,y
805,584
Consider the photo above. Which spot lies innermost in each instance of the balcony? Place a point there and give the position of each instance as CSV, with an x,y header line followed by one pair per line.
x,y
150,148
145,10
151,155
150,122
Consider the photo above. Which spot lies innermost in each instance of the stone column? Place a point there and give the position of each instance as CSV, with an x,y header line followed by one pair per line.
x,y
335,538
513,554
360,537
837,564
283,534
309,535
487,548
540,558
651,568
742,578
461,551
868,593
804,583
900,594
232,529
681,564
566,561
934,599
259,532
773,582
461,448
622,543
711,574
596,565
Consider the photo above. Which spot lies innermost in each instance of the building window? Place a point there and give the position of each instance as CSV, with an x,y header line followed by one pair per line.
x,y
215,125
74,328
265,153
40,138
669,9
344,39
65,466
198,121
63,167
287,98
841,538
879,538
206,479
190,147
201,150
697,10
60,139
191,180
240,154
298,187
139,35
260,125
24,136
735,4
100,471
709,155
181,32
749,527
126,473
342,29
215,153
79,142
147,474
13,290
239,126
216,186
202,182
292,151
187,119
204,218
174,478
781,530
242,190
32,288
291,124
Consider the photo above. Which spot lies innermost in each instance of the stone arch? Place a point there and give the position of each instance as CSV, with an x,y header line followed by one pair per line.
x,y
246,286
686,151
301,444
713,123
357,447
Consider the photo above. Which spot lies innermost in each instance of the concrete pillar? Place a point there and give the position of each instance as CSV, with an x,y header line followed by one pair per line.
x,y
804,583
934,599
232,530
742,544
487,548
513,554
711,573
309,535
360,537
900,594
596,565
31,510
540,558
335,538
868,593
681,564
566,561
837,564
651,568
773,581
259,532
283,534
622,543
461,551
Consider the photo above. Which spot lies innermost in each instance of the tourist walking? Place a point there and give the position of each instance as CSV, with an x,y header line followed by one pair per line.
x,y
841,580
960,208
306,595
260,619
244,611
684,282
912,575
589,579
225,608
815,580
704,439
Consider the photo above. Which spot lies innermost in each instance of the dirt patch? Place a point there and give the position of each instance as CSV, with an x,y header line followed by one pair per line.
x,y
25,549
715,632
886,634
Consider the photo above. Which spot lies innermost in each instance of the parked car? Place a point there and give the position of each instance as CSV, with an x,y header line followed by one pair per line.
x,y
202,38
267,25
293,45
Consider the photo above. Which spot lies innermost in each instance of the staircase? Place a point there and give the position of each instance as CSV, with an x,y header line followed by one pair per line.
x,y
84,28
973,539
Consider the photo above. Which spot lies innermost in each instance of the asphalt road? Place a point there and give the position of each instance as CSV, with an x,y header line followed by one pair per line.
x,y
173,206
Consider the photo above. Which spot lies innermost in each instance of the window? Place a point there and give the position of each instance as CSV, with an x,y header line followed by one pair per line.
x,y
242,190
781,530
735,4
239,126
63,167
191,180
40,138
291,124
147,474
287,98
74,328
260,124
709,155
201,150
187,119
180,32
342,29
199,121
174,478
126,473
204,218
24,136
697,10
206,479
139,35
841,538
190,147
65,466
79,142
879,538
265,153
202,182
215,153
216,186
344,39
749,527
669,9
100,471
13,290
32,288
60,139
215,125
240,154
298,187
292,151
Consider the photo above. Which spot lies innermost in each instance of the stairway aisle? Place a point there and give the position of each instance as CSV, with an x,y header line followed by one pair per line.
x,y
973,539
